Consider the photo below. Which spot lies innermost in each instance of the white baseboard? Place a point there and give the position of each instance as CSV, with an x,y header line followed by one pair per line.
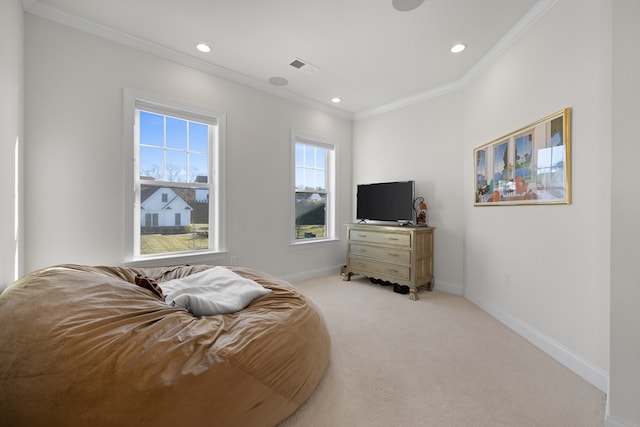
x,y
441,285
311,274
594,375
611,421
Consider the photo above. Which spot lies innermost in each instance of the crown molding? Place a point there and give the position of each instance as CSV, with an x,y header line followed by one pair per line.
x,y
36,8
539,9
27,4
413,99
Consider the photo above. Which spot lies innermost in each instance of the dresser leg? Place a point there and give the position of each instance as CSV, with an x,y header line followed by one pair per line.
x,y
347,277
413,294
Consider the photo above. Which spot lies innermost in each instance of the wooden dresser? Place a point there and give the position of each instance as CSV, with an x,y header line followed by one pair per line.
x,y
402,255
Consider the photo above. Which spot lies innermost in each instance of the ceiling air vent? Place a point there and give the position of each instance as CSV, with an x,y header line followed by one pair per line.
x,y
301,64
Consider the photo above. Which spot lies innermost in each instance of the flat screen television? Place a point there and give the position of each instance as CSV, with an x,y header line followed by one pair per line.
x,y
386,201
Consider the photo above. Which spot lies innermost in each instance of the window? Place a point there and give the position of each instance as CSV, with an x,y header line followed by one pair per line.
x,y
313,189
176,177
150,220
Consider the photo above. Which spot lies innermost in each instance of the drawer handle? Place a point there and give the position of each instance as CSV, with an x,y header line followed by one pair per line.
x,y
392,270
392,254
362,235
393,239
361,250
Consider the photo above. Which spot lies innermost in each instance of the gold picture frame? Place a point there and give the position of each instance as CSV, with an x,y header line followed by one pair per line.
x,y
529,166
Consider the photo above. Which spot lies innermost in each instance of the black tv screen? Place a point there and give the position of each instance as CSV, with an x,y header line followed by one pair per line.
x,y
385,201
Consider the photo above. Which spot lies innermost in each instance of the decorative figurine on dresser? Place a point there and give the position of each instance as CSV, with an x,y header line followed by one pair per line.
x,y
421,211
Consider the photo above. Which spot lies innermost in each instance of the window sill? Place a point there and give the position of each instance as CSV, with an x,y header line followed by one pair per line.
x,y
176,259
315,242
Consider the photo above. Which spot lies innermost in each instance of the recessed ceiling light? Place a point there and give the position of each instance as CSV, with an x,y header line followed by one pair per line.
x,y
335,100
457,48
278,81
203,47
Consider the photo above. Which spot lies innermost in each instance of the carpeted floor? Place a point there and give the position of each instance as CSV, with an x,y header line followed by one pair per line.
x,y
439,361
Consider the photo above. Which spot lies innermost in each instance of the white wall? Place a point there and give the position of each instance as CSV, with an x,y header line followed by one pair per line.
x,y
74,154
11,138
624,386
545,269
421,142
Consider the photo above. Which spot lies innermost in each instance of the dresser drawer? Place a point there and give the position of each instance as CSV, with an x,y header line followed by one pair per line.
x,y
396,239
372,267
386,254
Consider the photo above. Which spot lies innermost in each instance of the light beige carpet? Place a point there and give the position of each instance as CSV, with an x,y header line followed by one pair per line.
x,y
439,361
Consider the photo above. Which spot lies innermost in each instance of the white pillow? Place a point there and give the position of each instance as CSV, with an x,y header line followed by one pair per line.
x,y
217,290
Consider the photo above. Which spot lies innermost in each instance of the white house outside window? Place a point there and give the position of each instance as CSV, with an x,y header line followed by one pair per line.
x,y
176,180
313,195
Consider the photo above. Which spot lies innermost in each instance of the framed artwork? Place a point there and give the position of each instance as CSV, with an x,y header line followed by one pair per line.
x,y
529,166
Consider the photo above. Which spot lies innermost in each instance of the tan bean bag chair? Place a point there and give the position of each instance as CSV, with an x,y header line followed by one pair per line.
x,y
85,346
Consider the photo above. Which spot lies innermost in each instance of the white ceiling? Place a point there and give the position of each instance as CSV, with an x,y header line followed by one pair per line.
x,y
367,53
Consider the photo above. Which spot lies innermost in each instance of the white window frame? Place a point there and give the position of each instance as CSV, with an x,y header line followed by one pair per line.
x,y
330,170
134,100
